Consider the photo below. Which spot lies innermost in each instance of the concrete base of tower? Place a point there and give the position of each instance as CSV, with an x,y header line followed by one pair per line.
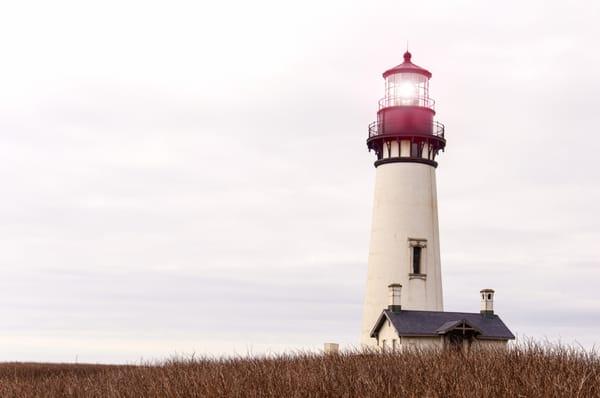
x,y
404,245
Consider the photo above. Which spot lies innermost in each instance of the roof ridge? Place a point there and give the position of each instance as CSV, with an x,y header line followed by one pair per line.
x,y
443,312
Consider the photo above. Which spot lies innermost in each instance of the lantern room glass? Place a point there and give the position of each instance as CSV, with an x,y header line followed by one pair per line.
x,y
407,89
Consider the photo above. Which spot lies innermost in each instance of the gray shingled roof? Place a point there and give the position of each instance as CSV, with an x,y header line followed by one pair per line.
x,y
430,323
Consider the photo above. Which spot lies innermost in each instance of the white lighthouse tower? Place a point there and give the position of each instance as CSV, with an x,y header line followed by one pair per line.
x,y
404,248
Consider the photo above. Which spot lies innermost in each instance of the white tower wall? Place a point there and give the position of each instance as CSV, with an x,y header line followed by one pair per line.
x,y
404,215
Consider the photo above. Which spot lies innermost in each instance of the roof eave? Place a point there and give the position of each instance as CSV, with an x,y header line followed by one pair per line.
x,y
396,69
377,326
479,337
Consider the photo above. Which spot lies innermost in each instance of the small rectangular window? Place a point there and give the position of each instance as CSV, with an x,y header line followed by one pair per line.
x,y
416,259
394,344
414,150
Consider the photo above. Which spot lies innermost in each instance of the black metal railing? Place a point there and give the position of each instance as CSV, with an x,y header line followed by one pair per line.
x,y
425,102
437,130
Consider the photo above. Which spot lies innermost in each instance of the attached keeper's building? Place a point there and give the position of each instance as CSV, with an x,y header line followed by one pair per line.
x,y
397,329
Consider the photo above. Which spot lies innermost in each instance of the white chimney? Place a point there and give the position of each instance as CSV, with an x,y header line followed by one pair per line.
x,y
487,301
395,289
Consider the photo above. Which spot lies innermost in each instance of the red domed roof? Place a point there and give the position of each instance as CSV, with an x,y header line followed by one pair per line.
x,y
407,67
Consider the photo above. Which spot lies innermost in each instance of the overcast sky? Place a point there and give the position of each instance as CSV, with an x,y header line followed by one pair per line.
x,y
186,177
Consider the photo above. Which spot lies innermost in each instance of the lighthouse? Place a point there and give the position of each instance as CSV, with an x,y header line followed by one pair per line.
x,y
404,250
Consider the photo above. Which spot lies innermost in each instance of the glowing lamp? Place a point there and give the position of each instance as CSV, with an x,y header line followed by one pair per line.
x,y
407,90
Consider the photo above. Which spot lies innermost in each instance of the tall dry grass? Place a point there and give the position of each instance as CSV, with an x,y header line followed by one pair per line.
x,y
527,371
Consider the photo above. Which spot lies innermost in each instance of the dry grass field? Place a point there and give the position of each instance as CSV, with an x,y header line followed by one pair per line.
x,y
529,371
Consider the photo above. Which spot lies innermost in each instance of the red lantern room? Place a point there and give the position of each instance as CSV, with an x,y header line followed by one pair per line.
x,y
405,130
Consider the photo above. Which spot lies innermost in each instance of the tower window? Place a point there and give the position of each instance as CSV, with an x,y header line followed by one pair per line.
x,y
414,150
417,259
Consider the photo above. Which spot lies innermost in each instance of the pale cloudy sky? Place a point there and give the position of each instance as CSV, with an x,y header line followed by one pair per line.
x,y
193,176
